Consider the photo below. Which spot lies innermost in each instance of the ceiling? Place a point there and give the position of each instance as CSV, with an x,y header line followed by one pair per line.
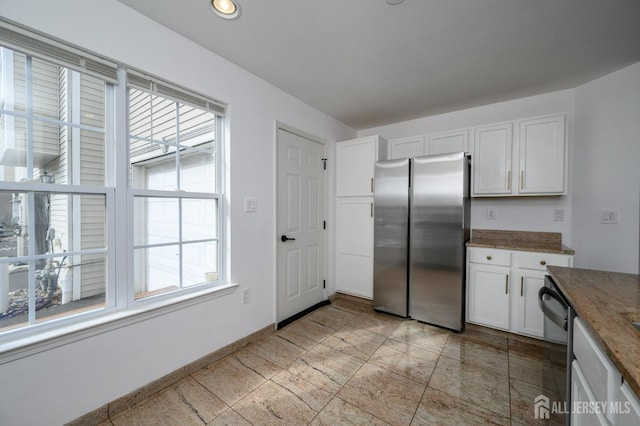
x,y
368,63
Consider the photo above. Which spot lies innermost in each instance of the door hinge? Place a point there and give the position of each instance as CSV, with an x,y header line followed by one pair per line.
x,y
324,163
324,283
324,224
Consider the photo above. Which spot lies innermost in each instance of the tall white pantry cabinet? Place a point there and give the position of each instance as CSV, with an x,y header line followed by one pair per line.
x,y
355,162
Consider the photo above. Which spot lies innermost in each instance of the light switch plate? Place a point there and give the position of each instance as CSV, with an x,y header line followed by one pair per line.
x,y
250,205
558,215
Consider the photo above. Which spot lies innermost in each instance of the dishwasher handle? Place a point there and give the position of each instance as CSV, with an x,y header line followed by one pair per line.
x,y
559,320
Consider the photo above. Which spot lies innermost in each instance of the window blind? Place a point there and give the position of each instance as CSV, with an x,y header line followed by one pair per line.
x,y
32,43
160,87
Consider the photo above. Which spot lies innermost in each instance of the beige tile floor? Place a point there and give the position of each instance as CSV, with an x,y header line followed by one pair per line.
x,y
346,364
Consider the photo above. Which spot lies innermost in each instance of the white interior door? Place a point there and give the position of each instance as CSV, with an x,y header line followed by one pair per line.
x,y
300,224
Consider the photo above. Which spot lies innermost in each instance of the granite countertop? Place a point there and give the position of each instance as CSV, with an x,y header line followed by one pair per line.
x,y
607,302
545,242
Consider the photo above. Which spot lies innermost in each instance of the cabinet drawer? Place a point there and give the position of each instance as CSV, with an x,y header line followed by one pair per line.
x,y
540,261
601,375
490,256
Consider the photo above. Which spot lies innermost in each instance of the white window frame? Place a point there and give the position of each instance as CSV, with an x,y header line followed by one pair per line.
x,y
71,189
121,308
183,96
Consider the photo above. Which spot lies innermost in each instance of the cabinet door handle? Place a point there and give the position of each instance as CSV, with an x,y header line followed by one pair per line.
x,y
542,262
521,286
506,285
522,179
509,180
371,184
488,257
371,209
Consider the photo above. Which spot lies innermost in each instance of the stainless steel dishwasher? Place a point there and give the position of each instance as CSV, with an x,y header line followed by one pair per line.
x,y
558,351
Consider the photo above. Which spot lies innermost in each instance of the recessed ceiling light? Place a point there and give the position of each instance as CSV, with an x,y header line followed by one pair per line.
x,y
227,9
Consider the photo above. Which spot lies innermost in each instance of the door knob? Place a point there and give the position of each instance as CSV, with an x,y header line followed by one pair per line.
x,y
284,239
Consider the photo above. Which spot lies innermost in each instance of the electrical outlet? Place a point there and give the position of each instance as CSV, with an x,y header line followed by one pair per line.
x,y
246,296
558,215
610,217
491,213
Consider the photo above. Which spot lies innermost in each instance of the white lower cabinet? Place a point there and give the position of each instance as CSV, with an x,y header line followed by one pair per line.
x,y
598,395
503,285
530,319
629,407
582,399
488,295
354,246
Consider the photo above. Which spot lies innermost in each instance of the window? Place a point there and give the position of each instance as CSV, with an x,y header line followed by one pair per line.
x,y
59,191
173,152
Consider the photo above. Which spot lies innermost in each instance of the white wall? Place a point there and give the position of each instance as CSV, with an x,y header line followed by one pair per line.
x,y
64,383
517,213
607,171
604,151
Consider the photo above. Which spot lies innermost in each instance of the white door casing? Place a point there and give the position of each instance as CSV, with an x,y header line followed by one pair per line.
x,y
300,210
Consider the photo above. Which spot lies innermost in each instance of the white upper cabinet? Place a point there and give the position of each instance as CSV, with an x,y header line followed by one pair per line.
x,y
436,143
532,163
407,147
542,156
492,159
448,142
355,161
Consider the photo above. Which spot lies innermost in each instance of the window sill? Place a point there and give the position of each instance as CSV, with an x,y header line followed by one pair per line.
x,y
31,345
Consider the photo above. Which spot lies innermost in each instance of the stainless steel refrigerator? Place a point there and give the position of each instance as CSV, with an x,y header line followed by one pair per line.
x,y
421,225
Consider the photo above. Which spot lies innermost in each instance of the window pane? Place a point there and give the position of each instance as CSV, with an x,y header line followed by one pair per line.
x,y
62,285
197,171
167,138
156,270
196,126
199,263
61,222
199,219
92,102
42,223
41,142
44,81
156,220
160,175
80,286
93,228
46,89
92,158
42,145
14,289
